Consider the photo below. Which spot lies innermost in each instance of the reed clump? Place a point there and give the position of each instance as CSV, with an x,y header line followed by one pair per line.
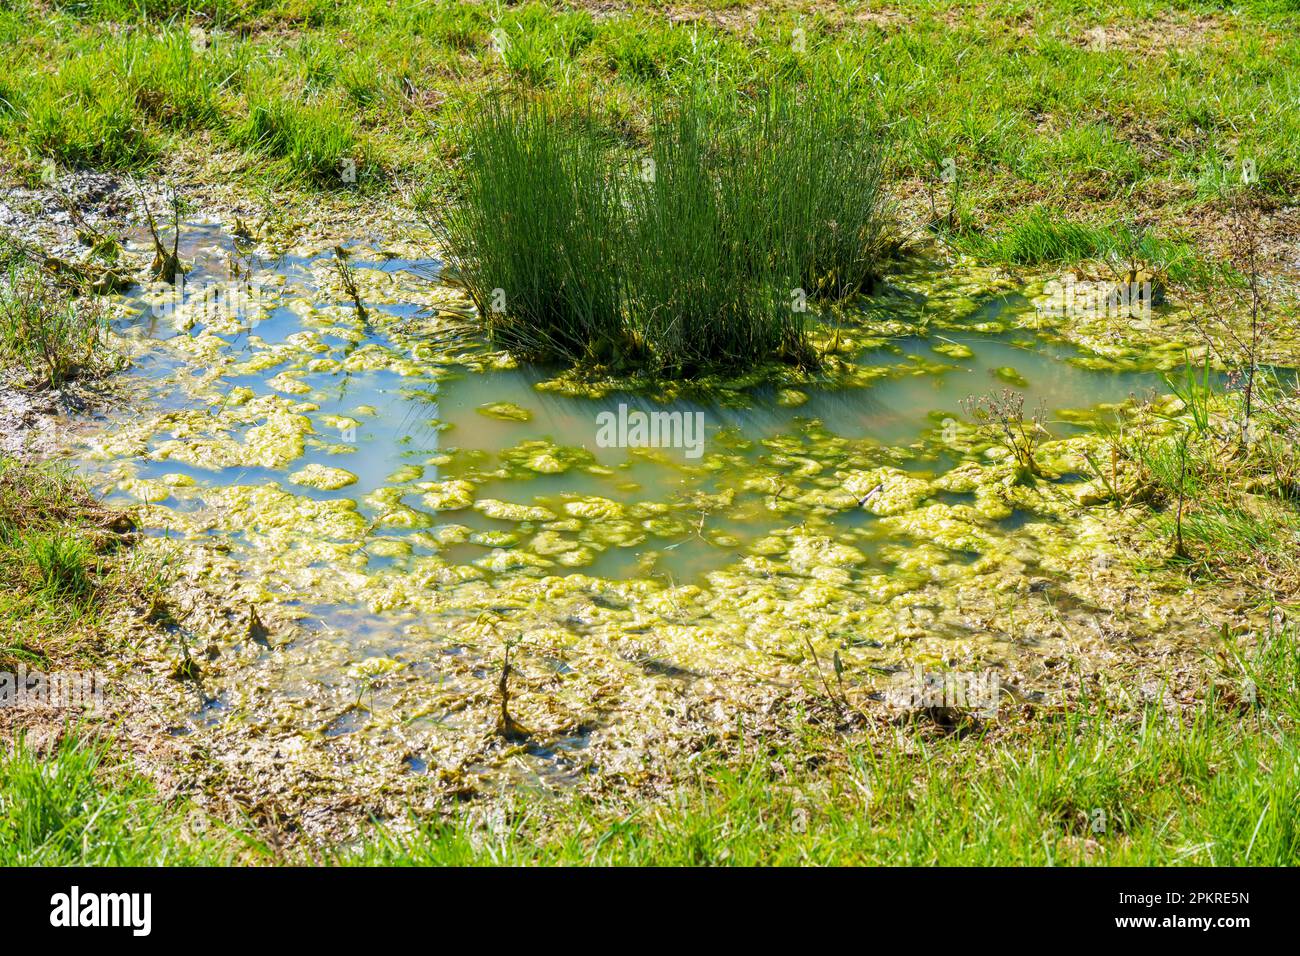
x,y
700,252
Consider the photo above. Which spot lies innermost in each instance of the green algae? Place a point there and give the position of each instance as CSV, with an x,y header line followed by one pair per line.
x,y
953,349
451,495
505,511
1009,375
323,477
505,412
405,475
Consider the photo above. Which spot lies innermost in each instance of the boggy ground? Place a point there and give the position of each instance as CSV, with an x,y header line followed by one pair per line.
x,y
321,654
306,663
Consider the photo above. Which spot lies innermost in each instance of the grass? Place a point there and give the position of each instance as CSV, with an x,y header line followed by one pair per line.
x,y
698,253
65,568
1146,123
64,807
1087,788
47,337
535,239
79,119
1223,491
1108,781
315,141
1046,236
177,84
1216,465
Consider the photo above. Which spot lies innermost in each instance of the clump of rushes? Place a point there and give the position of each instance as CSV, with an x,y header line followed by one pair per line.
x,y
704,287
48,338
536,238
818,183
698,254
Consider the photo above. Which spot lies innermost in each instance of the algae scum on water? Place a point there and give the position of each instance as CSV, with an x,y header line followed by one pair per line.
x,y
385,506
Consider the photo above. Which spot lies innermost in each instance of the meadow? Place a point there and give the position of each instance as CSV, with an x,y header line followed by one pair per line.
x,y
718,199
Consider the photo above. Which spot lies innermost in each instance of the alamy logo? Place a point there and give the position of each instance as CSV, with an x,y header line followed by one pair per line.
x,y
66,690
1072,298
978,692
638,429
206,301
103,909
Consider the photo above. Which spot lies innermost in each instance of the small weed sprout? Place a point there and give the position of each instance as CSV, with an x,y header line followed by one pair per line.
x,y
349,281
949,180
1001,415
166,265
1139,269
507,726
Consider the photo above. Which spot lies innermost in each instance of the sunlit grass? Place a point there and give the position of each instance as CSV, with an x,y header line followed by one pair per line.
x,y
1059,119
65,807
1096,786
1223,492
65,568
47,336
315,140
82,116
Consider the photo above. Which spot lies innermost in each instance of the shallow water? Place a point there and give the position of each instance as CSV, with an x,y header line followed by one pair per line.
x,y
440,416
468,487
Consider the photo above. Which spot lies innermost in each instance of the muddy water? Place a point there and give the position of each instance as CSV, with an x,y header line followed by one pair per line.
x,y
416,501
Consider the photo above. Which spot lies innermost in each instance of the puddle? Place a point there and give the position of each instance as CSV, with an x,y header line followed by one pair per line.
x,y
415,500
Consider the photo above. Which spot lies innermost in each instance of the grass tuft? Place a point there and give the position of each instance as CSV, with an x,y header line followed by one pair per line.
x,y
312,138
70,806
62,573
82,118
47,336
699,253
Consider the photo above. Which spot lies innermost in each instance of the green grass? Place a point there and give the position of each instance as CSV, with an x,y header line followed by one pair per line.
x,y
1046,236
82,118
59,565
1031,111
536,236
221,12
175,84
1089,790
65,567
314,140
48,338
1222,491
695,253
64,807
706,288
